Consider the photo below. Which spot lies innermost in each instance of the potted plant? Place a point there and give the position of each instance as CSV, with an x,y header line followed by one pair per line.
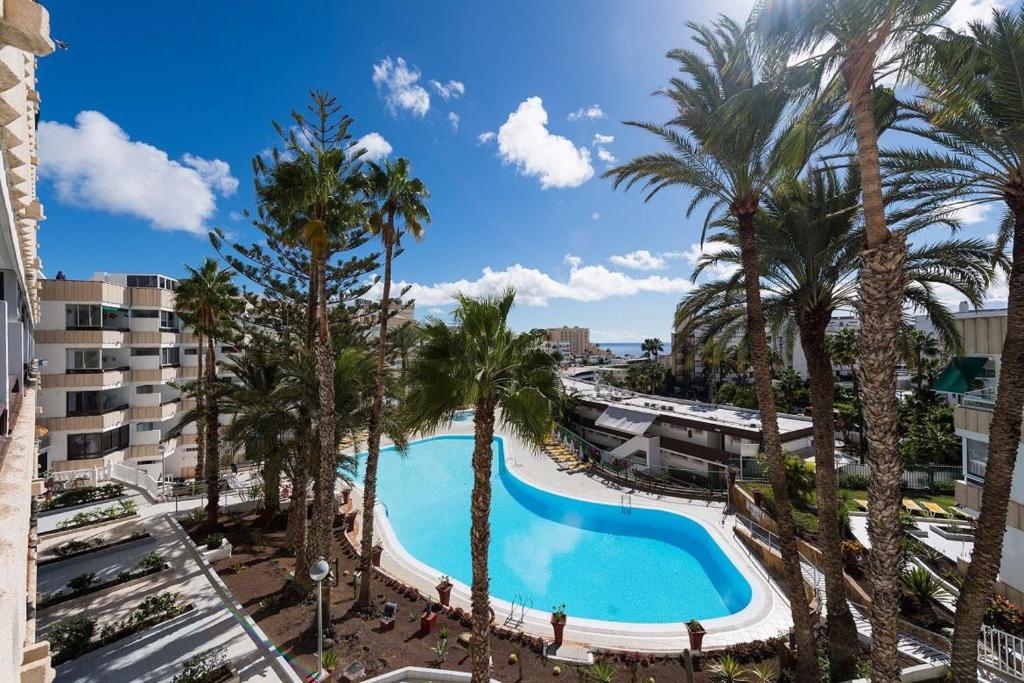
x,y
696,631
758,495
375,554
558,619
346,495
444,590
429,617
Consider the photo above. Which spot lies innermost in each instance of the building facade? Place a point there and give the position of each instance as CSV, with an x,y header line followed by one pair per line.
x,y
24,36
978,370
578,339
113,354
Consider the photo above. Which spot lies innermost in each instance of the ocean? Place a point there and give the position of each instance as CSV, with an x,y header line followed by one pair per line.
x,y
623,349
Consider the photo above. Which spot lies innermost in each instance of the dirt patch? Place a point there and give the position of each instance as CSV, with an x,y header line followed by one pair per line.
x,y
258,573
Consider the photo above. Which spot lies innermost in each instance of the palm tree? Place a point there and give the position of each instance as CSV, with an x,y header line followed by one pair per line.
x,y
858,38
186,317
652,348
481,362
971,112
731,153
399,207
211,301
807,234
403,340
916,347
312,192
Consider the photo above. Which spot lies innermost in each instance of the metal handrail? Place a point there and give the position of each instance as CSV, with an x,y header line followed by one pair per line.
x,y
1001,651
768,538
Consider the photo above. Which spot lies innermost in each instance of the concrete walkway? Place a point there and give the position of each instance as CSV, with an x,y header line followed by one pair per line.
x,y
156,654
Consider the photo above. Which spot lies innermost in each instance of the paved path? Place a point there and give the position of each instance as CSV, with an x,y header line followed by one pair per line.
x,y
51,521
105,564
156,654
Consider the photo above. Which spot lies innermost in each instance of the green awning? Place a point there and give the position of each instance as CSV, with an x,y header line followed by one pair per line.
x,y
959,375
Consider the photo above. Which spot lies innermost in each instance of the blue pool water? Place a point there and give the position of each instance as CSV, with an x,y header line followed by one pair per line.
x,y
641,566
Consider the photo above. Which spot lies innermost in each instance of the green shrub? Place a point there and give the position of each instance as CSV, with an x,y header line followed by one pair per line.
x,y
153,610
151,562
214,541
727,669
73,497
82,582
75,546
204,667
919,584
944,487
70,638
854,482
1005,616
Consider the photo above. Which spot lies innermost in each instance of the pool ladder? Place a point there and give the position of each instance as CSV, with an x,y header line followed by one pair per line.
x,y
511,620
626,503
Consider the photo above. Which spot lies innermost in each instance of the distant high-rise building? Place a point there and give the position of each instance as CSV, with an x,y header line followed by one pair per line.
x,y
24,35
578,339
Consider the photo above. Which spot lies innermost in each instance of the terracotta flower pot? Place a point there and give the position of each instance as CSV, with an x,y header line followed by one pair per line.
x,y
428,618
346,496
558,624
758,497
444,593
696,639
375,555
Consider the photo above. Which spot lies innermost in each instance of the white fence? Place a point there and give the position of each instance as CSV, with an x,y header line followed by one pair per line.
x,y
115,472
1001,651
922,478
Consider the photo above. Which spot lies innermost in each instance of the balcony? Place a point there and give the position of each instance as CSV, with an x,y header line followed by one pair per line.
x,y
83,378
83,337
89,423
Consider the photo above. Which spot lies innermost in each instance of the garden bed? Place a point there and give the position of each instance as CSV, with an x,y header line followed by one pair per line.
x,y
152,563
258,573
112,513
80,497
89,547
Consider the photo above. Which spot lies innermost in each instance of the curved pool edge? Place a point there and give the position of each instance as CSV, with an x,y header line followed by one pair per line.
x,y
659,637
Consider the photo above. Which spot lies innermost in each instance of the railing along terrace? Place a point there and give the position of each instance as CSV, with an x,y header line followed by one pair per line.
x,y
1001,651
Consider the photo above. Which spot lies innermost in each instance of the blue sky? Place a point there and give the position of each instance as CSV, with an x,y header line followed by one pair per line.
x,y
178,101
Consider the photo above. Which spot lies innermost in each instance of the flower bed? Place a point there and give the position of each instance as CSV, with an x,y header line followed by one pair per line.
x,y
121,510
73,497
76,548
74,637
84,584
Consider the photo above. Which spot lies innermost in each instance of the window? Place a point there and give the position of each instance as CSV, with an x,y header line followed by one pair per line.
x,y
142,280
84,360
191,351
169,321
144,389
95,445
977,459
136,351
81,403
83,317
145,426
170,356
145,313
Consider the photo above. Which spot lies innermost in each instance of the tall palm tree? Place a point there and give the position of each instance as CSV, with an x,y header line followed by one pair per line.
x,y
807,235
858,39
971,112
185,314
398,207
403,340
313,192
730,153
481,362
916,347
652,348
212,301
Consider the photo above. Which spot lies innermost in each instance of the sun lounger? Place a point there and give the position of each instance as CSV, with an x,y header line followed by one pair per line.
x,y
862,504
912,507
582,467
935,509
387,620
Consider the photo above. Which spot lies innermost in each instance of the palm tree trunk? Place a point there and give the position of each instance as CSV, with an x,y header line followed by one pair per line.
x,y
212,439
881,302
842,632
323,495
1004,442
480,540
272,481
806,654
201,404
297,534
373,439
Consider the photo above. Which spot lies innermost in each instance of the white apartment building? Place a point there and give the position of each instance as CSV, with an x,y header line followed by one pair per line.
x,y
111,349
578,339
24,36
973,378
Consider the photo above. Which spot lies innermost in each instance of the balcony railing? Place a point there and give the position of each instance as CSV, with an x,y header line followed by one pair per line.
x,y
980,399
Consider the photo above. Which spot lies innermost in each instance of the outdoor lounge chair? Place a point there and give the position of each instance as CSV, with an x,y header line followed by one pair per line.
x,y
387,621
912,507
862,504
582,467
935,509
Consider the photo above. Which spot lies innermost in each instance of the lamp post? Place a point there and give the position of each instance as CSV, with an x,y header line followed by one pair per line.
x,y
318,572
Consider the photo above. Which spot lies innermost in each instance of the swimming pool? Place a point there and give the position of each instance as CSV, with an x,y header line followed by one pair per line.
x,y
602,561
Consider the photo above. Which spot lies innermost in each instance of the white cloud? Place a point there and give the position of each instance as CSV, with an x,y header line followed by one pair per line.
x,y
214,172
593,112
536,288
235,216
448,90
398,83
525,141
375,145
695,251
595,215
453,119
605,156
972,214
95,164
965,12
603,139
641,259
485,137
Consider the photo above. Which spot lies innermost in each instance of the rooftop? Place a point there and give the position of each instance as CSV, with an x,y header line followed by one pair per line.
x,y
728,417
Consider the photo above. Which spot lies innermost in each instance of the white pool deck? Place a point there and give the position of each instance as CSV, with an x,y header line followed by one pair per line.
x,y
767,615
